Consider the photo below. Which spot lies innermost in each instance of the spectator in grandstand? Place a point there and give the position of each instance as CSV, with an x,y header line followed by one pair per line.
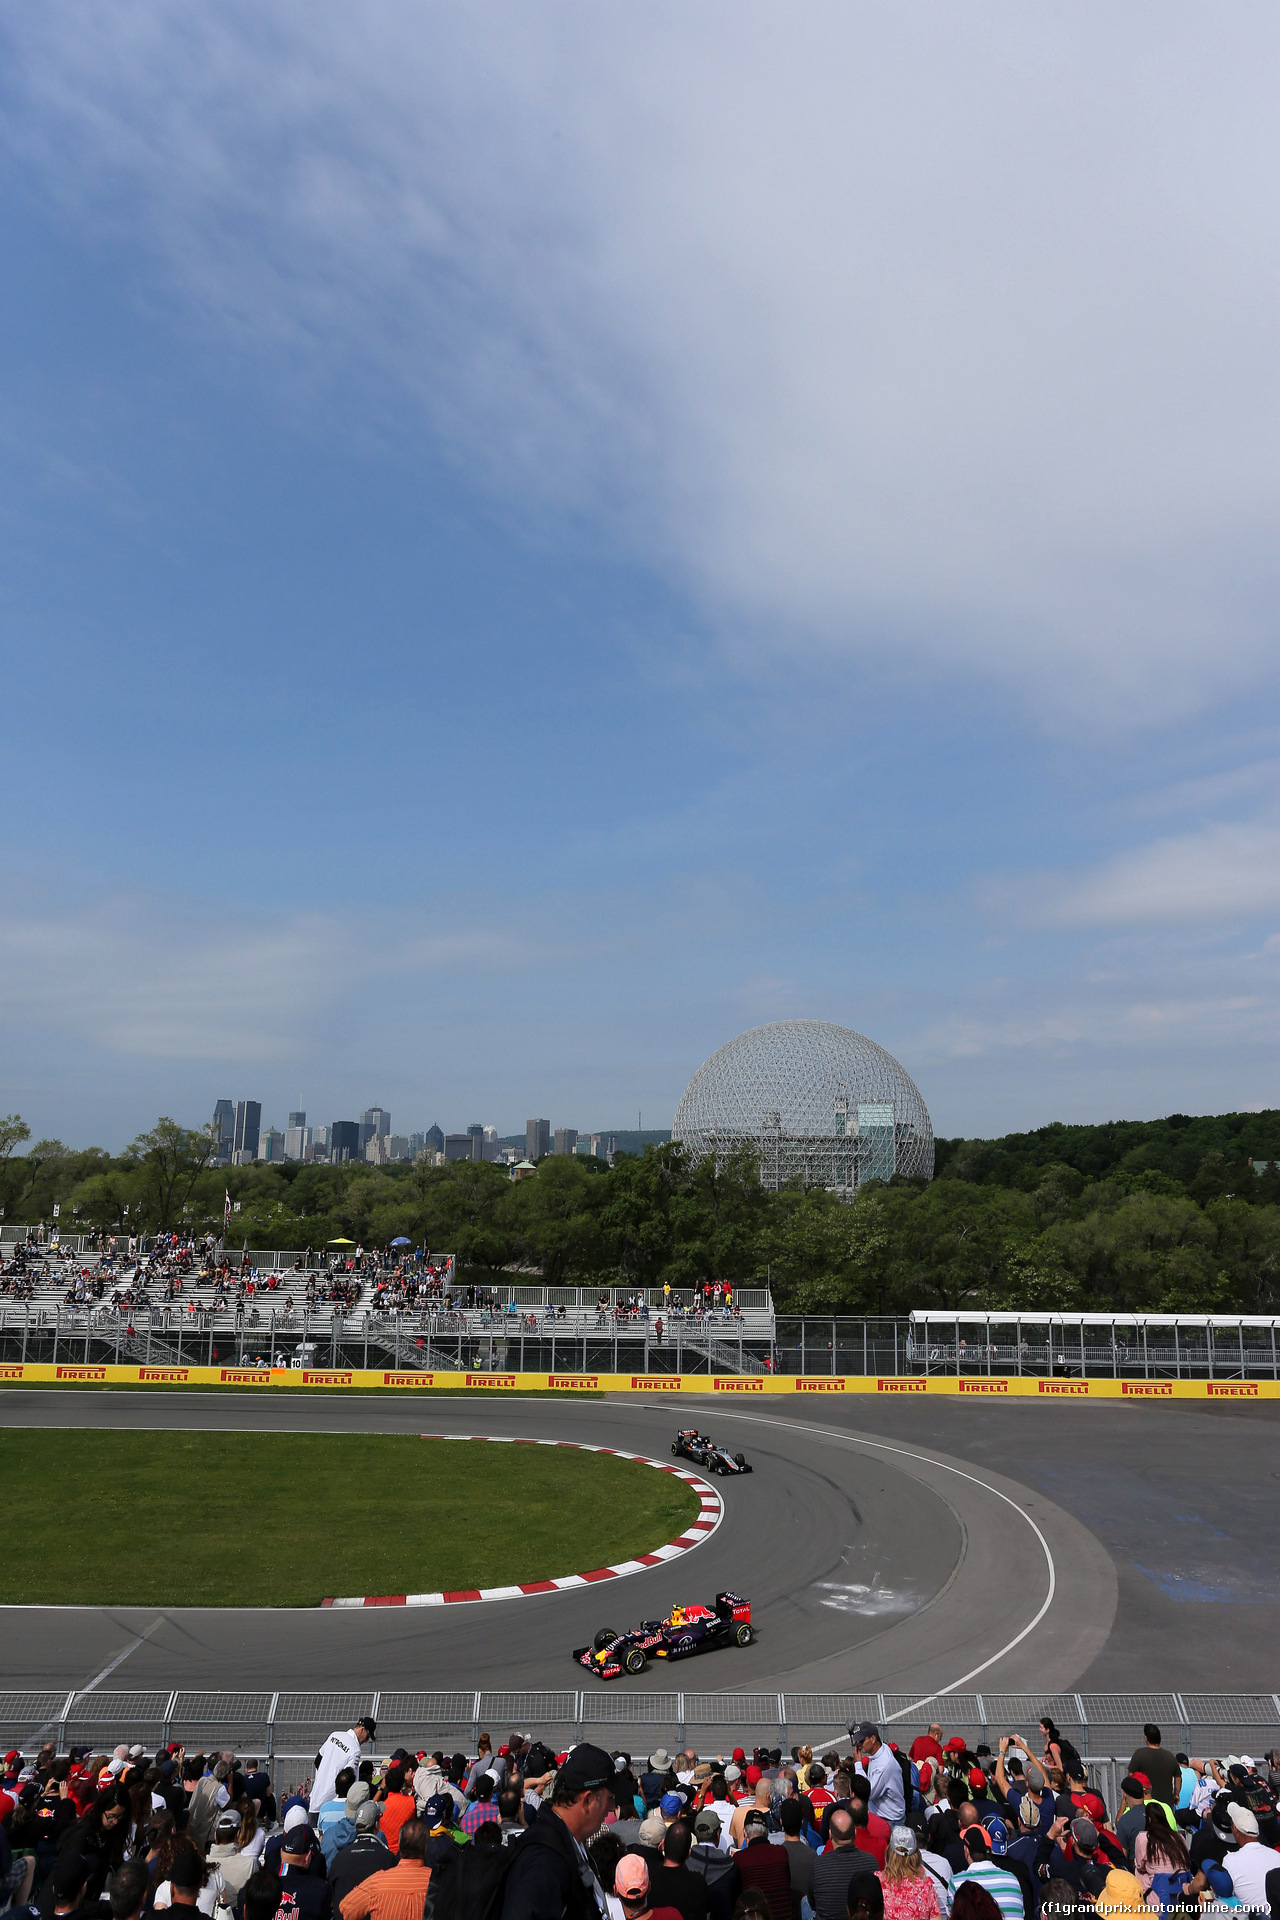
x,y
444,1836
364,1853
339,1833
192,1883
765,1867
865,1898
631,1885
550,1875
674,1884
66,1891
928,1746
400,1892
836,1867
880,1764
100,1836
1132,1817
708,1859
310,1891
130,1891
873,1832
982,1871
910,1891
1157,1765
1158,1849
1250,1865
761,1801
511,1811
719,1803
398,1805
483,1809
339,1750
234,1865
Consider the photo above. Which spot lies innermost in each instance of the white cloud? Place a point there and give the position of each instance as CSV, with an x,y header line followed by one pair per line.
x,y
944,343
1224,873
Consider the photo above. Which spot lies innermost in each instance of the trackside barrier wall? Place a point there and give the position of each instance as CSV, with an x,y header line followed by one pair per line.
x,y
37,1373
289,1726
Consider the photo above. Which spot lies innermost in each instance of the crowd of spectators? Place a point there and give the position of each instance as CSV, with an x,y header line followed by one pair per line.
x,y
861,1831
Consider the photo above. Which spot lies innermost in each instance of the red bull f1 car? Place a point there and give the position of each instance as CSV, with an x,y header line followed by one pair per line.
x,y
689,1444
685,1631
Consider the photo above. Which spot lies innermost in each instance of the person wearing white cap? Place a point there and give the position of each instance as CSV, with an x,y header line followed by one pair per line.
x,y
1248,1869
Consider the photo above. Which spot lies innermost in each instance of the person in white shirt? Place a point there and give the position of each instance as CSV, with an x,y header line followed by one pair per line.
x,y
722,1807
880,1764
339,1750
1248,1869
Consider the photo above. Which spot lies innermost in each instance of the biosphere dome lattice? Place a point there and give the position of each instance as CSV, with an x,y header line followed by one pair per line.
x,y
816,1102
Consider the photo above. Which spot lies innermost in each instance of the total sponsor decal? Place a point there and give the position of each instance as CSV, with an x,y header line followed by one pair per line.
x,y
726,1385
655,1382
984,1386
827,1383
1233,1389
1146,1389
491,1379
902,1386
173,1376
408,1379
245,1377
81,1373
1063,1386
574,1381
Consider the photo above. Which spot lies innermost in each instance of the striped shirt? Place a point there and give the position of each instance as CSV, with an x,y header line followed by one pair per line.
x,y
1002,1887
398,1894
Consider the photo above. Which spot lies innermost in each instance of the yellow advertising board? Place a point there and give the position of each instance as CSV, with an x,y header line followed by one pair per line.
x,y
736,1387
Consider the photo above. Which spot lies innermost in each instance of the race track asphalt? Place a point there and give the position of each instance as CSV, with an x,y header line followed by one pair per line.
x,y
912,1544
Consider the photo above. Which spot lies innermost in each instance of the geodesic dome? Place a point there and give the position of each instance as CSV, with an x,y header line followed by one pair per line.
x,y
815,1102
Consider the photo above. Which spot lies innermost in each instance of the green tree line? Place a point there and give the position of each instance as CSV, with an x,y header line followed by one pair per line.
x,y
1166,1215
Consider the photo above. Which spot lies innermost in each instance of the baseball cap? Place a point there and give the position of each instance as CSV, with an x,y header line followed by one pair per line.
x,y
1143,1780
356,1797
998,1835
753,1776
732,1773
1243,1819
187,1871
69,1875
1035,1779
954,1745
585,1770
296,1817
757,1820
707,1825
738,1755
904,1840
631,1876
1131,1785
865,1730
1085,1834
435,1808
367,1816
976,1777
926,1776
11,1756
670,1804
227,1822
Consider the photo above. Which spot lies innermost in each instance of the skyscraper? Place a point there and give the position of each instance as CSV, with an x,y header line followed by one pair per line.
x,y
344,1140
433,1139
373,1120
537,1139
476,1136
224,1125
298,1119
566,1139
248,1125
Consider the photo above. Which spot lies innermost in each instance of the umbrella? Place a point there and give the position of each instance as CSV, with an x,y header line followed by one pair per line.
x,y
401,1240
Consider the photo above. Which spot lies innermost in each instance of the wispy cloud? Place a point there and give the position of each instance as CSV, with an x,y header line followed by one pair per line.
x,y
949,347
1224,873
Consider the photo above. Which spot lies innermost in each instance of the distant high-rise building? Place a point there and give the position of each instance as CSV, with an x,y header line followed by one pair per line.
x,y
537,1139
319,1139
433,1140
566,1140
476,1136
298,1119
248,1125
398,1147
373,1120
344,1140
297,1139
271,1144
224,1127
417,1141
457,1146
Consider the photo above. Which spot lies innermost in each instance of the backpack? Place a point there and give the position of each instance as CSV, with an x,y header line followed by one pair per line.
x,y
475,1886
1072,1764
1170,1889
537,1761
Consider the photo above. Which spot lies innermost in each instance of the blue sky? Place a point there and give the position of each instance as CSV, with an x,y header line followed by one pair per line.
x,y
531,542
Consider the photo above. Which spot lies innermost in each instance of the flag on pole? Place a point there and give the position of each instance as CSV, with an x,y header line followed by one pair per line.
x,y
226,1211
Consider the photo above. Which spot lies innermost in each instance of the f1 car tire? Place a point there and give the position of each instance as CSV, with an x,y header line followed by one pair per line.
x,y
635,1661
742,1634
675,1449
602,1639
740,1459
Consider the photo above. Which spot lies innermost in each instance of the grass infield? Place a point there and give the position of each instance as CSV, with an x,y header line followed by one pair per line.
x,y
287,1520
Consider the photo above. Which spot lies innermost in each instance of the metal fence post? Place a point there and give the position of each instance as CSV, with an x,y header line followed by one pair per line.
x,y
680,1722
475,1724
577,1719
169,1706
271,1723
782,1721
63,1718
881,1712
982,1717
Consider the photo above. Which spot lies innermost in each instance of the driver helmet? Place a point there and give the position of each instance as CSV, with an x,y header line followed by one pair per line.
x,y
677,1616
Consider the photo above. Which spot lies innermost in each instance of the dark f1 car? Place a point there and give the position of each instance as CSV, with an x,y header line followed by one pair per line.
x,y
689,1444
685,1631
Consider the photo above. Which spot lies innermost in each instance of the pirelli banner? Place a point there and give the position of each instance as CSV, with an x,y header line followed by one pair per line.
x,y
410,1379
